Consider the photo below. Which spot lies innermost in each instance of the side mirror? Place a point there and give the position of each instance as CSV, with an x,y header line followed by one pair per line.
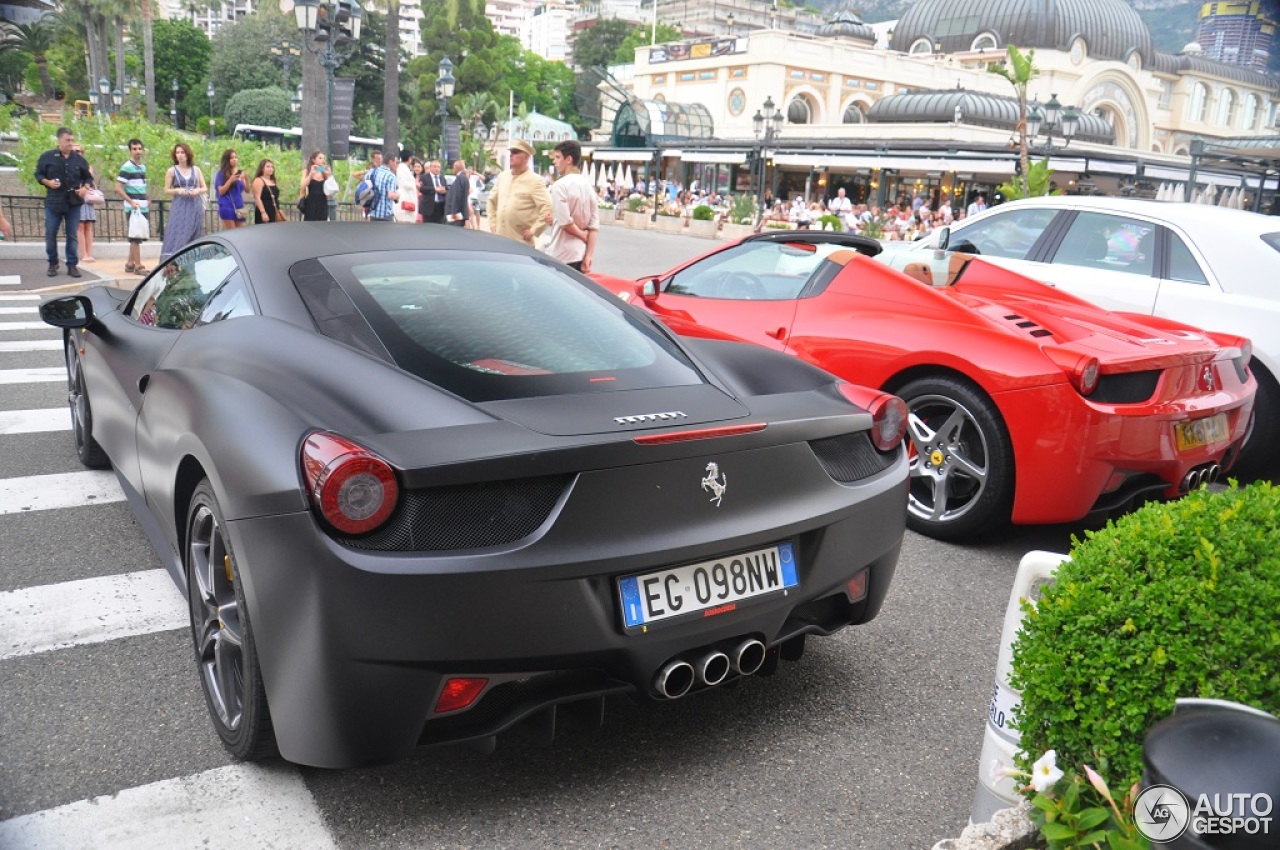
x,y
70,311
649,290
944,237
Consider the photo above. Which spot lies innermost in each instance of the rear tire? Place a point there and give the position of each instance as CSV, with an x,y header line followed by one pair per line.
x,y
1260,457
87,448
225,652
962,475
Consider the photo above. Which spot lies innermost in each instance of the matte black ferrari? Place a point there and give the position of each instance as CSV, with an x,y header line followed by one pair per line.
x,y
419,484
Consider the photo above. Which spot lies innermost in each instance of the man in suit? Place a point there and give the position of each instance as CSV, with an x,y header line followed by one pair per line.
x,y
457,201
433,201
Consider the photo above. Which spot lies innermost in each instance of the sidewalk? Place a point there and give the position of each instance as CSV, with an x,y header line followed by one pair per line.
x,y
27,259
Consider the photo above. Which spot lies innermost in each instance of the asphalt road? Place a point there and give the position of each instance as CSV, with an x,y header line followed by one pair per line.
x,y
871,740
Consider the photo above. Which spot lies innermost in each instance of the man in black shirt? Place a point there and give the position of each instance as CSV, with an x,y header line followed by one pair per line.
x,y
65,174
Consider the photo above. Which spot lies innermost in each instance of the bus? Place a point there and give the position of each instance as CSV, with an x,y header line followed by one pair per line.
x,y
360,148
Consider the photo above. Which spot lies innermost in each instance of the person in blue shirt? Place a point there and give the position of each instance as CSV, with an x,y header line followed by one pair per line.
x,y
386,187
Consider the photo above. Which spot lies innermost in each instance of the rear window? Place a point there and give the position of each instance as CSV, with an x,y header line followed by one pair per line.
x,y
490,327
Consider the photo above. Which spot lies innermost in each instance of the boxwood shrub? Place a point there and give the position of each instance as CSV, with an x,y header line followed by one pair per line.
x,y
702,212
1177,599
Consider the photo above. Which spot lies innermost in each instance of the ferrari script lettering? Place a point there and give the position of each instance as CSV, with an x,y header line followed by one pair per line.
x,y
650,417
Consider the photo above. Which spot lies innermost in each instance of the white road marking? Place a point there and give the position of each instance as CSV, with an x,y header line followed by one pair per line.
x,y
32,421
19,311
64,490
32,345
34,375
92,610
228,807
25,326
11,280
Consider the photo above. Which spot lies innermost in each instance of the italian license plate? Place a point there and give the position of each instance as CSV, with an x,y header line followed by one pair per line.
x,y
1201,432
712,587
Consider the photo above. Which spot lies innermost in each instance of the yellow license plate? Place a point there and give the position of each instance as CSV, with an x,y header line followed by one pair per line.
x,y
1201,432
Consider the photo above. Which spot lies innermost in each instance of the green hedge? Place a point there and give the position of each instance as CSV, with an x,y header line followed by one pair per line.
x,y
1177,599
702,212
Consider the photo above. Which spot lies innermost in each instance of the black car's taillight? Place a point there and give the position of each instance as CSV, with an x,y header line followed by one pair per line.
x,y
352,488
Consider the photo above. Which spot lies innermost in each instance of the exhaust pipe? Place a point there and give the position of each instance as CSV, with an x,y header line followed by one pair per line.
x,y
748,657
712,668
674,679
1212,473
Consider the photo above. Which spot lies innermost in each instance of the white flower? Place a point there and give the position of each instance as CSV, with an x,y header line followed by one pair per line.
x,y
1045,773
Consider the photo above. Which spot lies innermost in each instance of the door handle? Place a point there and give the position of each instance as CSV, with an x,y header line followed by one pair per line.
x,y
142,383
780,333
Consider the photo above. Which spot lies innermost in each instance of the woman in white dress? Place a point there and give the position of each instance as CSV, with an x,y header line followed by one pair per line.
x,y
406,209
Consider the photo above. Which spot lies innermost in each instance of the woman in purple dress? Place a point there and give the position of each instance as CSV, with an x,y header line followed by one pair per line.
x,y
185,184
231,185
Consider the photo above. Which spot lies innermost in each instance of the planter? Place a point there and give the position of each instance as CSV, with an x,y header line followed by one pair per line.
x,y
670,224
705,229
636,220
607,216
736,231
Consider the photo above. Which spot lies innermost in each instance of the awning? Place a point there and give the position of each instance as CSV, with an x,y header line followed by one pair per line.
x,y
898,163
709,157
624,155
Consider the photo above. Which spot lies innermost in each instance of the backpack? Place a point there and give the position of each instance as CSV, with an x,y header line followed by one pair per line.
x,y
364,193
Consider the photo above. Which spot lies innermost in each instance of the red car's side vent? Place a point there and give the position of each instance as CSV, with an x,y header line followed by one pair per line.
x,y
1026,324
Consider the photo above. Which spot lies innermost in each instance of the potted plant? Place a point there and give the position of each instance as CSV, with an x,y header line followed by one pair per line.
x,y
704,221
742,218
830,222
670,219
637,214
607,212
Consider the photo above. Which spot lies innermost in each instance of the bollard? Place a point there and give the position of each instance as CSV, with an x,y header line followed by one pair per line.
x,y
995,790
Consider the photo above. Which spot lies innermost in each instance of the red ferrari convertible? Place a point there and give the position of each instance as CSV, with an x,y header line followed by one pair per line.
x,y
1027,405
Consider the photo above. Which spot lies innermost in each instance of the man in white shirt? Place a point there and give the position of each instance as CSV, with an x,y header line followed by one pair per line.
x,y
574,217
840,205
979,204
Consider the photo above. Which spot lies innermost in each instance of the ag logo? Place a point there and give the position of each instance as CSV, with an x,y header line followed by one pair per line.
x,y
1161,813
715,482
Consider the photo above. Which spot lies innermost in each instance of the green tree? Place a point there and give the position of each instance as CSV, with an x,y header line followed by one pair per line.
x,y
242,57
268,106
182,53
1020,70
34,39
640,36
599,44
460,30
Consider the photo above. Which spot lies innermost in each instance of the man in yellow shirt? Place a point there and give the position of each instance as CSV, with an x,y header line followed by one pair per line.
x,y
519,203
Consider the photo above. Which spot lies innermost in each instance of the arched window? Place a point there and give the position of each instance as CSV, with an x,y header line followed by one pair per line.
x,y
1198,103
921,47
984,41
798,111
1250,118
853,114
1226,114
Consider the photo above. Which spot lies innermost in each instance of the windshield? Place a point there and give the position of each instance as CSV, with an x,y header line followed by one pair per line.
x,y
759,270
490,327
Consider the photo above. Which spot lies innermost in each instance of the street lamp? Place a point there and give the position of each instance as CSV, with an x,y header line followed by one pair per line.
x,y
444,91
286,52
331,31
104,90
1054,121
729,20
116,99
766,124
173,105
209,91
295,102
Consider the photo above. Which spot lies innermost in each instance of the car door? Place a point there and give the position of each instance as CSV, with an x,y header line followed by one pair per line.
x,y
1107,259
1011,237
747,291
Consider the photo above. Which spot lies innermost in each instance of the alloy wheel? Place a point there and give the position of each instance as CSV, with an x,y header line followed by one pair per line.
x,y
215,617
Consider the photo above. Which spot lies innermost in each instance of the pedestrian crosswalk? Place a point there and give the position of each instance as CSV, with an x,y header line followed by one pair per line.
x,y
108,605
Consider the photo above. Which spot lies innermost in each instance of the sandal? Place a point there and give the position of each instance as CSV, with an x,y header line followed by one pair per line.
x,y
129,268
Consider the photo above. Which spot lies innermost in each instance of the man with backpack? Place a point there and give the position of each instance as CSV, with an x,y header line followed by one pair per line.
x,y
386,188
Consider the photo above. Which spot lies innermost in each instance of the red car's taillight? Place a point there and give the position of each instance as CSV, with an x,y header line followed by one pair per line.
x,y
352,488
1083,371
888,414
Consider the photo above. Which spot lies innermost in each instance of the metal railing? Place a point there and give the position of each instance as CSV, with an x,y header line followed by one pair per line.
x,y
26,214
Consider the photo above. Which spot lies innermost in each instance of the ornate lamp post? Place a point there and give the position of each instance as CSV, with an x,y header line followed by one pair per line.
x,y
1053,121
766,124
728,19
295,102
331,32
116,99
210,92
444,91
104,92
286,52
173,105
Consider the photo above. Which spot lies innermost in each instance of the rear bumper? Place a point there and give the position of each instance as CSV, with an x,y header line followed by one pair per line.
x,y
355,645
1072,455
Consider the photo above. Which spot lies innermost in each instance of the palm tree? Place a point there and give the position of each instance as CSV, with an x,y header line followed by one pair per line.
x,y
1019,70
391,77
148,61
35,38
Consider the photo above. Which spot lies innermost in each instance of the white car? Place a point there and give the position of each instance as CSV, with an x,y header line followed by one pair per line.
x,y
1211,267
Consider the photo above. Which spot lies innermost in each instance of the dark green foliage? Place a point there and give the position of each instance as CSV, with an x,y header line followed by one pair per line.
x,y
1177,599
268,106
702,212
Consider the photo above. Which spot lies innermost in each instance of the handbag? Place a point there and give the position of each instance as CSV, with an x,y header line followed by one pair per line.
x,y
408,206
280,216
302,205
330,186
139,227
94,196
239,213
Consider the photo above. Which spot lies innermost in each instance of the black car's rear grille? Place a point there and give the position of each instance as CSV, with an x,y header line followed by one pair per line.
x,y
851,457
466,516
1127,388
